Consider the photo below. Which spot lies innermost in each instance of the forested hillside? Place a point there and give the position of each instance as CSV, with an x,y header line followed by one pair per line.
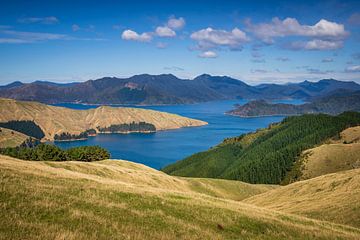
x,y
267,155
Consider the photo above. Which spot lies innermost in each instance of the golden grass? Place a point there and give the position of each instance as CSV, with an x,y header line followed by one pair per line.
x,y
11,138
330,158
123,200
332,197
54,120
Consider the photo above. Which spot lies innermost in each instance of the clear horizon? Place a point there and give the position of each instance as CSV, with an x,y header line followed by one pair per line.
x,y
253,41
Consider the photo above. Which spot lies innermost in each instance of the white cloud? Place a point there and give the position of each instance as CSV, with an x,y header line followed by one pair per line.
x,y
165,32
176,23
316,44
161,45
131,35
355,68
208,54
41,20
211,38
291,27
326,60
27,37
75,27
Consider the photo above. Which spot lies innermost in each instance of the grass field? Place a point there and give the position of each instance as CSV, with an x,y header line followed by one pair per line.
x,y
123,200
10,138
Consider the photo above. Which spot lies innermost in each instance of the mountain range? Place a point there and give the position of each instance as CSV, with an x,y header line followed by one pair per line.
x,y
166,89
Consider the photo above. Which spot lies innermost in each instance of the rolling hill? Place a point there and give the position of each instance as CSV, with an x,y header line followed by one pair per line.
x,y
165,89
56,120
332,197
11,138
265,156
120,199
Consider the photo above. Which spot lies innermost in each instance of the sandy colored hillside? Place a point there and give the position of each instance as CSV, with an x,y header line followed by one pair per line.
x,y
123,200
55,120
11,138
332,197
335,155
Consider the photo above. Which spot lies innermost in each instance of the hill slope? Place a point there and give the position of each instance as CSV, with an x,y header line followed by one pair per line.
x,y
10,138
339,154
267,155
333,197
55,120
334,103
119,199
165,89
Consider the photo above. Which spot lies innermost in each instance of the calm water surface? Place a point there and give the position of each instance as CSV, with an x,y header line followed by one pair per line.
x,y
164,147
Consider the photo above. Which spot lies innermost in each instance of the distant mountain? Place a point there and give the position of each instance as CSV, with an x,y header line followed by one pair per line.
x,y
333,103
165,89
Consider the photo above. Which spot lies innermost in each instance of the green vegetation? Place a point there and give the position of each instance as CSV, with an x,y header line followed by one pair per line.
x,y
47,152
29,128
131,127
65,136
268,157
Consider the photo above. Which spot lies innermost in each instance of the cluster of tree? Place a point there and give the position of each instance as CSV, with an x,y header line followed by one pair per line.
x,y
48,152
29,128
269,157
129,127
65,136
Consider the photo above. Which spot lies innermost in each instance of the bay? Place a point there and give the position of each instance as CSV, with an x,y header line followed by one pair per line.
x,y
159,149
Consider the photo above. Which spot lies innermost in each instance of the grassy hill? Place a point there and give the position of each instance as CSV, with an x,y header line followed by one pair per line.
x,y
339,154
56,120
10,138
333,197
119,199
268,155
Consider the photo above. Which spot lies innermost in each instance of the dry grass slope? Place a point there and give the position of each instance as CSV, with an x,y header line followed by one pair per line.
x,y
124,200
333,197
10,138
54,120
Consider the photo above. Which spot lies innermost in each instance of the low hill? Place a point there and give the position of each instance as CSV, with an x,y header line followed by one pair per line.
x,y
268,155
56,120
11,138
333,197
120,199
334,103
166,89
339,154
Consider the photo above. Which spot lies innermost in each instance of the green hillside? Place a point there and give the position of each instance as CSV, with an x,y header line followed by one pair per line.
x,y
267,155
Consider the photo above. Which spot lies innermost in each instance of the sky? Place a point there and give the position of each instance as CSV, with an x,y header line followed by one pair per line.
x,y
253,41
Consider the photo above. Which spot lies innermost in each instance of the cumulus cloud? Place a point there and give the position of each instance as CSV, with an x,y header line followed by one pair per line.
x,y
41,20
326,60
176,23
131,35
208,54
316,44
355,68
212,38
165,32
291,27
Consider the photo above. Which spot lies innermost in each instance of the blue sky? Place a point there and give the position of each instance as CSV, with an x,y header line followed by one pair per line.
x,y
255,41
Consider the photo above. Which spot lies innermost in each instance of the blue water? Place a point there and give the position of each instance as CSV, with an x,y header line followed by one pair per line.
x,y
164,147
